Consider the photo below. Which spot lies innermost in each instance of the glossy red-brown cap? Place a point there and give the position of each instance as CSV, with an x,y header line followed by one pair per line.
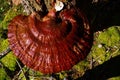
x,y
52,44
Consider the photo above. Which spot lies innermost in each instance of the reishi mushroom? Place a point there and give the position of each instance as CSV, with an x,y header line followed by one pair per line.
x,y
53,43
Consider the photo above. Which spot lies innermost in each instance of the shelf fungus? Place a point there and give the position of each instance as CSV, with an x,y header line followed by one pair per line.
x,y
53,43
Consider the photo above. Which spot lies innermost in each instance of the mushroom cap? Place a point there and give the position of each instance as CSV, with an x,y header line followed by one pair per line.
x,y
53,44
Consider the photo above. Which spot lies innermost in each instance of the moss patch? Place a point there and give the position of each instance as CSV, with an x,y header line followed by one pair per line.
x,y
12,12
3,74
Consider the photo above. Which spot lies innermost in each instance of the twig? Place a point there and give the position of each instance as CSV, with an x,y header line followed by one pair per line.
x,y
21,70
114,53
91,63
5,52
16,76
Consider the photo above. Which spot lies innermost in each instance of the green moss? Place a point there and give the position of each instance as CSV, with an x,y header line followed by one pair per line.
x,y
9,60
115,78
3,75
4,6
110,37
37,73
21,77
82,66
98,53
11,13
3,44
106,45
